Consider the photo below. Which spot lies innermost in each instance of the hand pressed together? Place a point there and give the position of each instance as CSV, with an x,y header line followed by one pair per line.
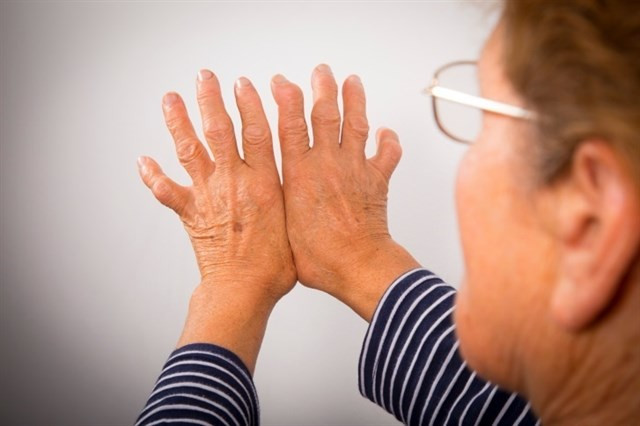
x,y
335,236
233,213
336,198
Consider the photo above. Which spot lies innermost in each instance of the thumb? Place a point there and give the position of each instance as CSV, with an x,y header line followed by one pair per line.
x,y
388,152
163,188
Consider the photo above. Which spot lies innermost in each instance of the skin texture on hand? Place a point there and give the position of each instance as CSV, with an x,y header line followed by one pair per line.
x,y
336,198
234,216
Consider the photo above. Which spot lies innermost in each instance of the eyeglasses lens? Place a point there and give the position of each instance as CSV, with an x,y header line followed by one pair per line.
x,y
459,121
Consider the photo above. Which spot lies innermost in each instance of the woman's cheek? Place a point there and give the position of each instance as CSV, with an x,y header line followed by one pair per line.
x,y
468,316
469,210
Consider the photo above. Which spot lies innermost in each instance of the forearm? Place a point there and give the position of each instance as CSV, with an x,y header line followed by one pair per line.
x,y
208,377
410,364
202,384
362,285
227,316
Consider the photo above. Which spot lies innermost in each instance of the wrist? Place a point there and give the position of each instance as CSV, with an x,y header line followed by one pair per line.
x,y
242,290
228,314
362,285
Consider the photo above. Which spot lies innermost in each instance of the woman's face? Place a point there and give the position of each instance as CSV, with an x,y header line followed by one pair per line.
x,y
509,258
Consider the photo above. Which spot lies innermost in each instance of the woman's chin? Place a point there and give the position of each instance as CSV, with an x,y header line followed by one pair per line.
x,y
478,348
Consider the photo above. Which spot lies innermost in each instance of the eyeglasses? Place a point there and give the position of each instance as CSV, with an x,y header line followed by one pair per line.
x,y
457,104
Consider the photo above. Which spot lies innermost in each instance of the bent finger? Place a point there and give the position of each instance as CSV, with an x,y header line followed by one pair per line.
x,y
216,123
292,126
257,145
168,192
388,152
325,115
191,153
355,127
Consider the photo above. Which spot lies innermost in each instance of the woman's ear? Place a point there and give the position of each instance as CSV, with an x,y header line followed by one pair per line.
x,y
599,234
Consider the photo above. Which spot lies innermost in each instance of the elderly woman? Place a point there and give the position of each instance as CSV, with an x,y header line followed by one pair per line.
x,y
548,200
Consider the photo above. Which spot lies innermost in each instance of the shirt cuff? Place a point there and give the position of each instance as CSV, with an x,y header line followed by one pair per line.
x,y
202,383
412,320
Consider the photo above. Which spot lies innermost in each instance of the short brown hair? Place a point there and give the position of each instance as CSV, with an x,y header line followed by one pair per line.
x,y
577,64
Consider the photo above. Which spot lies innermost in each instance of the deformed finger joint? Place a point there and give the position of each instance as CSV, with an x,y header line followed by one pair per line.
x,y
357,125
254,134
325,119
162,190
219,132
294,125
188,151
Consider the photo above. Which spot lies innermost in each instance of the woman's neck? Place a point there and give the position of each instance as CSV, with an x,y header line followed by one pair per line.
x,y
595,379
604,403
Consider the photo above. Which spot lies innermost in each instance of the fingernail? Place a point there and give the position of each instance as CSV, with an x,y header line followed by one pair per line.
x,y
324,68
386,133
389,134
279,79
142,163
204,75
355,79
242,82
170,98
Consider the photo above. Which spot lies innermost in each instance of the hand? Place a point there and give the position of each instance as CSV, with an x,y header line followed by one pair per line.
x,y
336,198
234,211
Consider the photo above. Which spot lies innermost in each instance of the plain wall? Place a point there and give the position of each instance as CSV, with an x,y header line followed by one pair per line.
x,y
96,274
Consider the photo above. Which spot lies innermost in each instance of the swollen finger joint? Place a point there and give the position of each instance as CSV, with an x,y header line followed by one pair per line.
x,y
357,125
188,151
218,132
254,134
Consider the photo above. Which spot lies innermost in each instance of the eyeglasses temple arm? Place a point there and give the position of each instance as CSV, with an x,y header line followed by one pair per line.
x,y
478,102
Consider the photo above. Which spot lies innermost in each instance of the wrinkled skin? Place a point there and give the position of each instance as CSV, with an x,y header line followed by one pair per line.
x,y
336,198
234,216
234,211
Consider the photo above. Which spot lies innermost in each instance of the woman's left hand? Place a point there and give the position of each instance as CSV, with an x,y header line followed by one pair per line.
x,y
234,211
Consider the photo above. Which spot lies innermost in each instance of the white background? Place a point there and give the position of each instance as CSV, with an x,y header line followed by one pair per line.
x,y
96,274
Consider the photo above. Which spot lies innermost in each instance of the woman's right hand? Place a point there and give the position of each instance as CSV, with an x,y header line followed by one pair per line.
x,y
233,213
336,198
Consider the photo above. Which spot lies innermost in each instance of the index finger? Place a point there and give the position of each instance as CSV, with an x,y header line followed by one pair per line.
x,y
192,154
355,127
257,145
292,127
216,123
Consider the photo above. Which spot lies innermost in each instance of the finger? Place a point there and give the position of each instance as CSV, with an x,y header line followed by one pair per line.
x,y
292,126
388,152
257,145
325,115
191,153
216,123
355,127
168,192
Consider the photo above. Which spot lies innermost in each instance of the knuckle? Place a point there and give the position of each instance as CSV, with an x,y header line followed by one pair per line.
x,y
264,194
218,131
254,134
294,125
174,123
326,120
162,190
188,151
325,114
357,125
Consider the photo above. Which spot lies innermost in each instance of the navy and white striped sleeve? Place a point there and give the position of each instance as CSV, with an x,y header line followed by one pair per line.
x,y
410,364
202,384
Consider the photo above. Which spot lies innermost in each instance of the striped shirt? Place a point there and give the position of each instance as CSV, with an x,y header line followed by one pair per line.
x,y
409,365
